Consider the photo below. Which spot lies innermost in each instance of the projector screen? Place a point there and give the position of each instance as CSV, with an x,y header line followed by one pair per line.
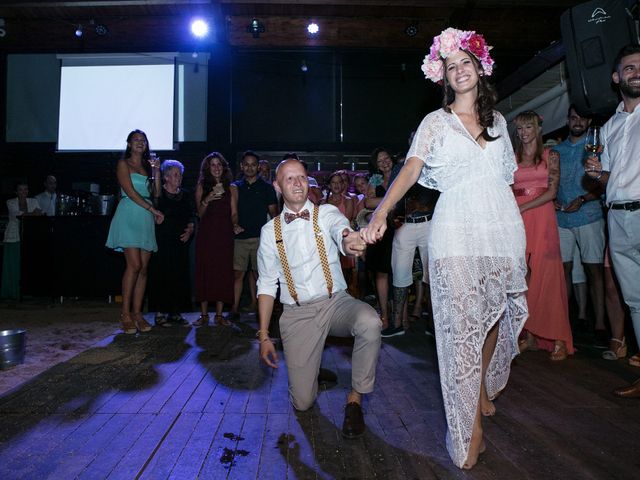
x,y
101,104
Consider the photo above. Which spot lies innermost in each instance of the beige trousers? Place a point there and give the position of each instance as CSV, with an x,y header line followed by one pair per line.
x,y
304,330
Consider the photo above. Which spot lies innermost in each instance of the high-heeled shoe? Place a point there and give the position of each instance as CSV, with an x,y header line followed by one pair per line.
x,y
141,323
559,352
128,325
620,351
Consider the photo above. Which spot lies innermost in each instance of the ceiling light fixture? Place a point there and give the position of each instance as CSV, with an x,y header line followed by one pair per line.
x,y
255,28
411,30
313,28
101,29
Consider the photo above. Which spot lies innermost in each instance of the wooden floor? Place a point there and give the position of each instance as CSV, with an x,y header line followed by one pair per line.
x,y
184,403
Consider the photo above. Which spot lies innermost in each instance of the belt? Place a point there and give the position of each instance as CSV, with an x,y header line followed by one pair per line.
x,y
422,219
631,206
529,192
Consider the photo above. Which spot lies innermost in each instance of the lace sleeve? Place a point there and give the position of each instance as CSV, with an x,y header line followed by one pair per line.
x,y
509,165
426,141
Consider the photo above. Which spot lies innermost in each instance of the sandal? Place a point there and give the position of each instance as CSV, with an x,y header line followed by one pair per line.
x,y
224,322
141,323
528,342
618,352
634,361
203,320
559,352
128,326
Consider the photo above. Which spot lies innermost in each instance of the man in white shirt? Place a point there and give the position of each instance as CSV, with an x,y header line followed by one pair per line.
x,y
47,199
619,170
300,249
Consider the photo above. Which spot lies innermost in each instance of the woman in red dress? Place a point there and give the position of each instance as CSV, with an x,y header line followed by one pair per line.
x,y
217,206
535,187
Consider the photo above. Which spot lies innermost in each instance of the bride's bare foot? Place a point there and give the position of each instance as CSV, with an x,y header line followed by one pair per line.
x,y
487,408
476,447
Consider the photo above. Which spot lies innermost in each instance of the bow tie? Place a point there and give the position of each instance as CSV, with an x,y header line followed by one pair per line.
x,y
290,217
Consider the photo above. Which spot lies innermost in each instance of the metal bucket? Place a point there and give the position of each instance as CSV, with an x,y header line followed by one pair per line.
x,y
12,348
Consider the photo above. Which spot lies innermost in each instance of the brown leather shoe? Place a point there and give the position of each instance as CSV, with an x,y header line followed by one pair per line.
x,y
353,425
632,391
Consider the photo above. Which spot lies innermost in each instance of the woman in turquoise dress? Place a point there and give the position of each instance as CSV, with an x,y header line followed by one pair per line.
x,y
132,228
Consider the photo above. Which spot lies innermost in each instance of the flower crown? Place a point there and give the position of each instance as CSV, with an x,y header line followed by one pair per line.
x,y
450,41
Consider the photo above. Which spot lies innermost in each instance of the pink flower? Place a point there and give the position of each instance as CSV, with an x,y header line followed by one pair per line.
x,y
449,42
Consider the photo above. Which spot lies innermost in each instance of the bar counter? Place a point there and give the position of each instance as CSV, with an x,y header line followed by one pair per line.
x,y
66,256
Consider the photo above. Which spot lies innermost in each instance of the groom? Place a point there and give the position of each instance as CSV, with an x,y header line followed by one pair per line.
x,y
300,249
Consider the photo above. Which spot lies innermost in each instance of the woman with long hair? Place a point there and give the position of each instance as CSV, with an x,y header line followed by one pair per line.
x,y
132,227
378,255
476,240
535,187
217,206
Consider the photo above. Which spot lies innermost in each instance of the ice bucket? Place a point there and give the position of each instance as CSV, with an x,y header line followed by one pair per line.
x,y
12,347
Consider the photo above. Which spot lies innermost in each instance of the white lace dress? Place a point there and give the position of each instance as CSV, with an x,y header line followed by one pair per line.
x,y
476,263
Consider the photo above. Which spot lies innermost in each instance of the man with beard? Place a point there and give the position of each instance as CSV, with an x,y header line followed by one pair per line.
x,y
620,172
580,218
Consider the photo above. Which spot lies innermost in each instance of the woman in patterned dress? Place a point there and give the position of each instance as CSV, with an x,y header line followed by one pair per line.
x,y
476,241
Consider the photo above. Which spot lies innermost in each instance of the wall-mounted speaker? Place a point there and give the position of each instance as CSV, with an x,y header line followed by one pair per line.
x,y
592,34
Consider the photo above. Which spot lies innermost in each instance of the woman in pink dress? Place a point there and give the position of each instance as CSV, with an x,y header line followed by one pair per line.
x,y
535,188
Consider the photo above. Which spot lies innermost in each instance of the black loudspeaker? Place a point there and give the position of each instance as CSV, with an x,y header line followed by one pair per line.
x,y
592,34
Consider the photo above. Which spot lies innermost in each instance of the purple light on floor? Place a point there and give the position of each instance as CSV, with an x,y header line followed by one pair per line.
x,y
199,28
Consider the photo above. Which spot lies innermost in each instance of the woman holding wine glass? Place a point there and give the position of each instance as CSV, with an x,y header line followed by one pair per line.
x,y
535,187
132,227
217,206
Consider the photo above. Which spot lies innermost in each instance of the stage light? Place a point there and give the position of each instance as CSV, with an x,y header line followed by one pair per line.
x,y
255,28
101,29
199,28
304,67
313,28
411,30
78,31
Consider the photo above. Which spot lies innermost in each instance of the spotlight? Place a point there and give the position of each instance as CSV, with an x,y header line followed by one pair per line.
x,y
199,28
313,28
78,32
255,28
194,55
304,67
101,29
411,30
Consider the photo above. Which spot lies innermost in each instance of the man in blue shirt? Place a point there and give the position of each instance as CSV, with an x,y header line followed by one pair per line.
x,y
580,217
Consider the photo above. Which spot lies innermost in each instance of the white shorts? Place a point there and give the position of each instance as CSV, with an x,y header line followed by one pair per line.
x,y
405,241
588,239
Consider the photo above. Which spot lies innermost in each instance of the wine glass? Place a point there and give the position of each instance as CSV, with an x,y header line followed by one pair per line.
x,y
154,160
593,144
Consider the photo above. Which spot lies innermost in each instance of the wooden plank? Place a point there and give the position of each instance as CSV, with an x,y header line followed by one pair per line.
x,y
223,450
196,448
108,459
144,448
249,444
164,458
86,453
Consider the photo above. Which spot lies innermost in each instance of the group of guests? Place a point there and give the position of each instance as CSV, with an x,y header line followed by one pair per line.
x,y
494,241
156,214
